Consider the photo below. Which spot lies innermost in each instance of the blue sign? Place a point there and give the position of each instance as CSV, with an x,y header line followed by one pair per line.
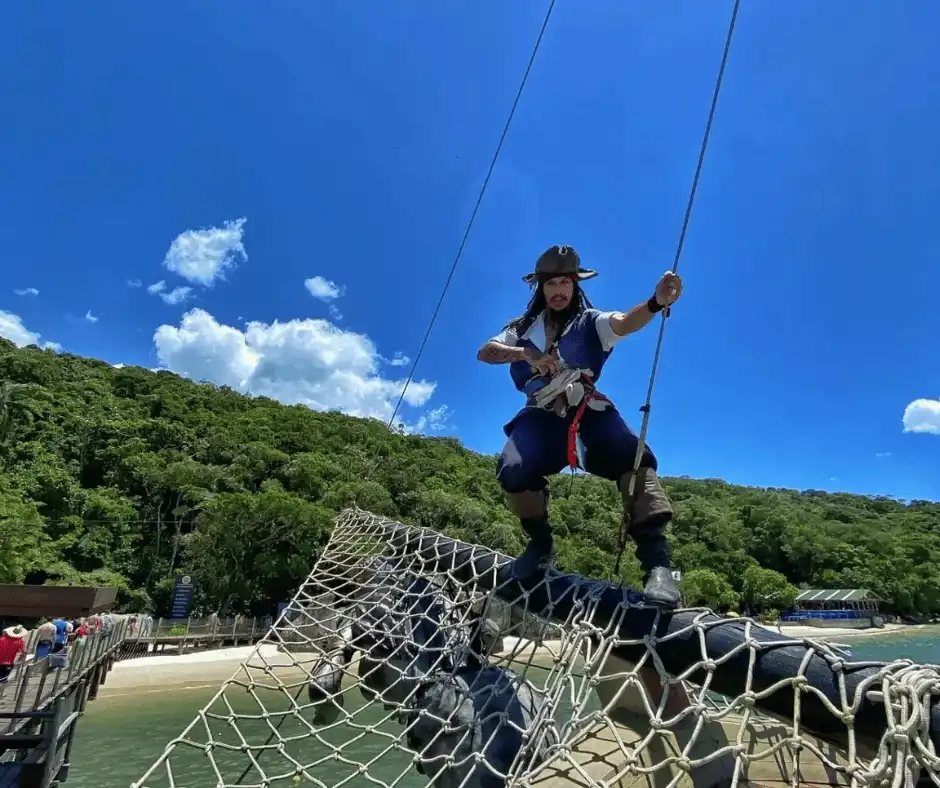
x,y
182,598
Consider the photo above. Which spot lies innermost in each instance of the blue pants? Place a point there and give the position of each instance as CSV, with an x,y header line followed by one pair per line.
x,y
538,447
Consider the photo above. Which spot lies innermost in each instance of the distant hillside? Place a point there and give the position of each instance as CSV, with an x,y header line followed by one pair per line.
x,y
125,475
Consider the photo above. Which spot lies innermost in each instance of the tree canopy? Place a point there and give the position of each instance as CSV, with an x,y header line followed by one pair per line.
x,y
124,476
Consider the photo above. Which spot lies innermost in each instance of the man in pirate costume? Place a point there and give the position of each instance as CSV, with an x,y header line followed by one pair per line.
x,y
556,351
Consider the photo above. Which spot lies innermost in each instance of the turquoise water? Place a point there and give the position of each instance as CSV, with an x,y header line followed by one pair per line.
x,y
121,736
922,647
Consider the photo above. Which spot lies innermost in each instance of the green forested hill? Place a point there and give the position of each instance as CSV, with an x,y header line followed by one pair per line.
x,y
125,475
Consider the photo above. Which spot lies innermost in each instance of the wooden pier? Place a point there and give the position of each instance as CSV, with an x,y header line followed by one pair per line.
x,y
41,703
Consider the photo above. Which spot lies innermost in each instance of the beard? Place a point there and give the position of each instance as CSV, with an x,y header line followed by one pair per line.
x,y
564,314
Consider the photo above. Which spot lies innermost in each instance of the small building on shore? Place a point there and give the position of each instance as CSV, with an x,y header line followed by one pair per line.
x,y
852,608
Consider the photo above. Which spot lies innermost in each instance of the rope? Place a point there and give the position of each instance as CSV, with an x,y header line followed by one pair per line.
x,y
644,427
450,277
476,207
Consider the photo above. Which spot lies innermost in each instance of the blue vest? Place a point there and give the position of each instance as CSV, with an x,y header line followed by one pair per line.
x,y
579,347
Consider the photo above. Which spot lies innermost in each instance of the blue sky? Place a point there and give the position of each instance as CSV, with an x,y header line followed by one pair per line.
x,y
307,170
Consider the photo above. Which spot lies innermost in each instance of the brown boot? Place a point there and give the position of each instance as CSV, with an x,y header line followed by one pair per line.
x,y
646,515
531,504
531,507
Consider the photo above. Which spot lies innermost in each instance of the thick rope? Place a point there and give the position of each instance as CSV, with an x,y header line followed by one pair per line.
x,y
647,405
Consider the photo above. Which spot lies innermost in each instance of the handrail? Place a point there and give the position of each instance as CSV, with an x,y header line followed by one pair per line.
x,y
34,684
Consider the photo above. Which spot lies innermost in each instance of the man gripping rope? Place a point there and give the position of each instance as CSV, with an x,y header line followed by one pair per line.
x,y
556,351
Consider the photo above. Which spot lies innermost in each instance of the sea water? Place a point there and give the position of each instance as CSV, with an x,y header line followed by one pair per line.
x,y
121,736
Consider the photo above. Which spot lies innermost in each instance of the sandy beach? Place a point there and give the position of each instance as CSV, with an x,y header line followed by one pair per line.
x,y
838,633
208,669
203,669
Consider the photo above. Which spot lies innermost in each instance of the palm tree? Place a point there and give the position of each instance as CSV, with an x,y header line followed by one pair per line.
x,y
14,401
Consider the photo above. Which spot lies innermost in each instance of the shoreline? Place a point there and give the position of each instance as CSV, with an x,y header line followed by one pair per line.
x,y
205,669
828,633
209,669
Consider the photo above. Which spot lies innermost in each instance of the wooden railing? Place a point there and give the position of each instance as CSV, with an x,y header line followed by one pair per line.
x,y
177,636
35,683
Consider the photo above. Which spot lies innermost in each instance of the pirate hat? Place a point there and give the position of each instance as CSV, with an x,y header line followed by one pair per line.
x,y
559,261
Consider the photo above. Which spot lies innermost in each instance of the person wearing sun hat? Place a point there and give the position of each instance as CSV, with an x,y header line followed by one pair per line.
x,y
12,644
556,351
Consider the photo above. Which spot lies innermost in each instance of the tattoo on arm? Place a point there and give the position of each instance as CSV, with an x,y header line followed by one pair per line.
x,y
498,353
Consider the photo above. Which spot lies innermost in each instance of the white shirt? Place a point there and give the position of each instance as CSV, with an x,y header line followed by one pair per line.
x,y
537,334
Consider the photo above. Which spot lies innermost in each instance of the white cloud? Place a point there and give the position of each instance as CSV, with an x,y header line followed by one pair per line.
x,y
175,296
12,328
398,360
434,420
922,415
90,317
310,362
202,256
323,289
882,453
134,283
27,291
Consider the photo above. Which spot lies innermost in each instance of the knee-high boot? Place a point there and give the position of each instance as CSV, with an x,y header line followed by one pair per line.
x,y
531,507
646,516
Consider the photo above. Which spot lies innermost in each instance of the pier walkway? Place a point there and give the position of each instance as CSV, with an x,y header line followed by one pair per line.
x,y
41,703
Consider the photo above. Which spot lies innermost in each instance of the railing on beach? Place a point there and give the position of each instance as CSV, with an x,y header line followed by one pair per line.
x,y
178,636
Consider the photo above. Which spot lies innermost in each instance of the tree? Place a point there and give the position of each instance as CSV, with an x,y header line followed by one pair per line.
x,y
764,588
23,544
703,587
128,476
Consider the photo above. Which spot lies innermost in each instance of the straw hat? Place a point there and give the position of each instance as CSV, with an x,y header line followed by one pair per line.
x,y
16,631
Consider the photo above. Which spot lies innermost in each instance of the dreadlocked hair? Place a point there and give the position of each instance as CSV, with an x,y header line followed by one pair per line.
x,y
537,304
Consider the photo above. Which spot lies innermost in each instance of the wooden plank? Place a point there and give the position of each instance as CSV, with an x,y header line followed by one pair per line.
x,y
19,741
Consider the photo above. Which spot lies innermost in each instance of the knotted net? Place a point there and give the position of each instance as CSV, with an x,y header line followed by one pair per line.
x,y
408,659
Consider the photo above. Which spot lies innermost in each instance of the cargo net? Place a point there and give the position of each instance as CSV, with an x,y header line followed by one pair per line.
x,y
383,671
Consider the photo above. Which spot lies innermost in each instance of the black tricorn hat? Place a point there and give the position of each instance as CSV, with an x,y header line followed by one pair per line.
x,y
559,261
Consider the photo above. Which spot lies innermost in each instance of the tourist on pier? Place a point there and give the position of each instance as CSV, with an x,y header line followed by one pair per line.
x,y
12,644
45,638
107,623
62,630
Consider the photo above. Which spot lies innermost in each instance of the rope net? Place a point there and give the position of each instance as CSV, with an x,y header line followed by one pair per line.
x,y
385,671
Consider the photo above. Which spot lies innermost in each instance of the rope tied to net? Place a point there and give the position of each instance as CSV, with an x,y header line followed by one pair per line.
x,y
472,221
687,218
